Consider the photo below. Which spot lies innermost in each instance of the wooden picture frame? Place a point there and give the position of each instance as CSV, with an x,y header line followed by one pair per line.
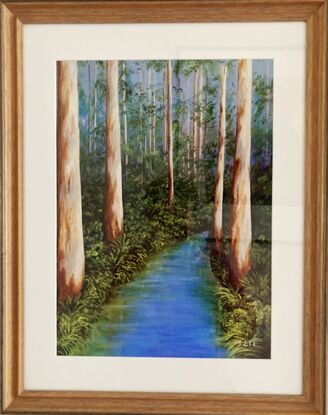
x,y
13,16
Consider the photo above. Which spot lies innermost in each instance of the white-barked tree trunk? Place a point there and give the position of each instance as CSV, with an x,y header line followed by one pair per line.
x,y
219,177
113,218
241,226
169,135
70,249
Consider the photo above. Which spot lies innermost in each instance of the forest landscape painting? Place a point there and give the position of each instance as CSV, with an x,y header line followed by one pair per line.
x,y
164,204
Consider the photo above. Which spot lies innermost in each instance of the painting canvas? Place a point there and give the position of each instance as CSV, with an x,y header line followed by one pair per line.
x,y
164,203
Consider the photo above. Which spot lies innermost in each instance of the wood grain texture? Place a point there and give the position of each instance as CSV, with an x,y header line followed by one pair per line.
x,y
13,14
11,189
157,403
315,209
169,11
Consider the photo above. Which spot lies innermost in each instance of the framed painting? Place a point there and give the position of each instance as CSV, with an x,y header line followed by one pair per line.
x,y
164,206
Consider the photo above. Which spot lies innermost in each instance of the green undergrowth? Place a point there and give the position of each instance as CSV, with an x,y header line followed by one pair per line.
x,y
149,226
244,317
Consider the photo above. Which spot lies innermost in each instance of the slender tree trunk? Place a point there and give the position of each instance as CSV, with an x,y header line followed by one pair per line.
x,y
267,106
153,122
169,135
194,128
143,140
205,140
113,218
150,115
267,110
140,113
70,249
143,87
188,125
200,124
179,104
95,105
179,119
188,105
180,130
164,114
219,178
125,121
241,226
89,110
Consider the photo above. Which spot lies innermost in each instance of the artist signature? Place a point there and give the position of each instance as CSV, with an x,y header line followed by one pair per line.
x,y
246,343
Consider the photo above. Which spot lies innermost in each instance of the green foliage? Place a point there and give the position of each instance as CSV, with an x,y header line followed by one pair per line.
x,y
245,316
263,93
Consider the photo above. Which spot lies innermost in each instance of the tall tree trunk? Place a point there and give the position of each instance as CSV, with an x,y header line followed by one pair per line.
x,y
267,110
179,119
205,140
144,127
95,105
194,128
188,105
126,159
241,226
200,124
169,135
164,114
180,129
267,103
113,218
150,115
70,249
153,114
140,113
89,110
188,125
219,178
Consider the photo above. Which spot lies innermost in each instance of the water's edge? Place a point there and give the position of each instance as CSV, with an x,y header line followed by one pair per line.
x,y
167,311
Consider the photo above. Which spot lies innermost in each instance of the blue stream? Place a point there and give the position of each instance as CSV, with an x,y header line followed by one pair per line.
x,y
167,311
